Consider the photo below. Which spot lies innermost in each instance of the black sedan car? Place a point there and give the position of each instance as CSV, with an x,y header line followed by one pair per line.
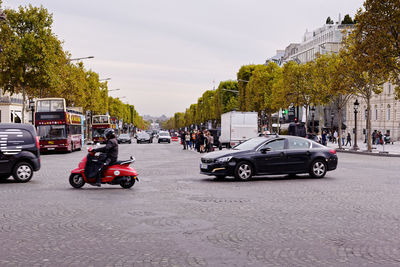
x,y
270,155
124,138
143,137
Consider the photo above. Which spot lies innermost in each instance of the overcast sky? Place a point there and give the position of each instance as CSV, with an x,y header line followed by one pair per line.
x,y
163,54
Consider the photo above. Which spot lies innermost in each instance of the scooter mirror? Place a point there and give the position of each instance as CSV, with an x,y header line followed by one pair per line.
x,y
133,159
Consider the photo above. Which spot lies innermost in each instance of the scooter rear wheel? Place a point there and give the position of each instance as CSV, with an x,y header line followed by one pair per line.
x,y
128,182
76,180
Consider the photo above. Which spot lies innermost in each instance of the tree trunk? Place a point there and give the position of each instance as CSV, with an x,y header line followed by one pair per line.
x,y
23,103
270,122
369,141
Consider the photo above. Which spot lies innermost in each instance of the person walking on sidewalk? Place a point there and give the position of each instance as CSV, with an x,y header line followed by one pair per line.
x,y
348,139
335,135
187,140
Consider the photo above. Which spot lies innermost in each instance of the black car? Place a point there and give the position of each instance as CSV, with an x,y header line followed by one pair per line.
x,y
124,138
143,137
19,151
270,155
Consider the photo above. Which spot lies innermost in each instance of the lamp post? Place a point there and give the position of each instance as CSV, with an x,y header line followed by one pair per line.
x,y
80,58
332,116
356,104
312,119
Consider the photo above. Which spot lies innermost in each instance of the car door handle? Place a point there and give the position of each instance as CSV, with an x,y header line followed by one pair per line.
x,y
282,154
308,153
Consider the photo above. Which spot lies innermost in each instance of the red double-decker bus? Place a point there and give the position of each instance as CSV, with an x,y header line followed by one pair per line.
x,y
59,128
99,124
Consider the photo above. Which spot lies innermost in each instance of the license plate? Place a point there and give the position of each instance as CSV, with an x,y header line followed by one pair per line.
x,y
51,148
51,142
204,166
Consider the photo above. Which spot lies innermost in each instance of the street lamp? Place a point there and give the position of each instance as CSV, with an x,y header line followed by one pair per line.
x,y
80,58
356,104
312,118
240,80
106,79
332,116
114,90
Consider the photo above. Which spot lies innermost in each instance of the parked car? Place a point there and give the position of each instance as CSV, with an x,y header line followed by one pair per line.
x,y
271,155
19,151
124,138
164,137
143,137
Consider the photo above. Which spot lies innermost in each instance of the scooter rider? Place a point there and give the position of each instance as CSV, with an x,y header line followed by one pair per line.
x,y
111,151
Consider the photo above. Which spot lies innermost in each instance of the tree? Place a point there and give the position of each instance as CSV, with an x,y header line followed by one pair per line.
x,y
377,34
31,52
331,76
365,74
347,20
329,21
243,77
260,88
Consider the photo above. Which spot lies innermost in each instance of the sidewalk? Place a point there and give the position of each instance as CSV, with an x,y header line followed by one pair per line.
x,y
377,150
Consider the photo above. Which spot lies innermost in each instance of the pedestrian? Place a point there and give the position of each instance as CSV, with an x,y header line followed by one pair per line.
x,y
183,140
374,137
187,140
343,138
202,141
335,135
210,142
348,140
323,138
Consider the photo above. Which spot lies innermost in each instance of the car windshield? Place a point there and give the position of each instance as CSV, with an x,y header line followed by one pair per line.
x,y
164,134
124,136
250,144
98,132
143,135
51,132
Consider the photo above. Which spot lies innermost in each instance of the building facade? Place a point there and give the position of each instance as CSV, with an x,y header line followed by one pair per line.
x,y
385,114
11,109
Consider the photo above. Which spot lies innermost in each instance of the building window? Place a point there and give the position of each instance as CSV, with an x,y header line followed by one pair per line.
x,y
388,113
389,88
376,114
365,114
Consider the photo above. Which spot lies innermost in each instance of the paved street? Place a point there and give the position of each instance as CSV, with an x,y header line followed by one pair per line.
x,y
176,217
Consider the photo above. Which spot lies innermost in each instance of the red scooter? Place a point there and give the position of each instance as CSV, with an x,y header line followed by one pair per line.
x,y
119,173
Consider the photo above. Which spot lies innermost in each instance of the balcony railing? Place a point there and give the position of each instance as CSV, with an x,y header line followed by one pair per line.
x,y
10,100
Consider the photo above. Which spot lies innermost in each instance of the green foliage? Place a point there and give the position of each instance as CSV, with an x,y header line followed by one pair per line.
x,y
329,21
243,77
34,63
347,20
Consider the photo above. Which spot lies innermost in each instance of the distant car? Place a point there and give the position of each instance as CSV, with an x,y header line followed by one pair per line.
x,y
124,138
174,137
19,152
271,155
164,137
143,137
150,132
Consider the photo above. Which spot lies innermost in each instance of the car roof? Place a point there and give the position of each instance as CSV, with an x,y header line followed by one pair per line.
x,y
25,126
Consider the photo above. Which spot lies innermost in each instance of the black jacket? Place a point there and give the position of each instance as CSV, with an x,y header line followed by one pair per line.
x,y
111,149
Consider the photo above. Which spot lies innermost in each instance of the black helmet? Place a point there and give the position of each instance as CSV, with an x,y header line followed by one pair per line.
x,y
109,133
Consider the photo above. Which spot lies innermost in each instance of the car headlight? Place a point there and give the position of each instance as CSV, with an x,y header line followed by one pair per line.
x,y
224,159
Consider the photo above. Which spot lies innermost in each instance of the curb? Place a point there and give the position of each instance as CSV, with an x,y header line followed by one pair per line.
x,y
387,154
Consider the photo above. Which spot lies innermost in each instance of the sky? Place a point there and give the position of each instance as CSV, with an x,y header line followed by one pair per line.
x,y
163,54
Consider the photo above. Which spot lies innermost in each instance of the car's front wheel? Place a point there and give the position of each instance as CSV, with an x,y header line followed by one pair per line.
x,y
22,172
318,169
243,171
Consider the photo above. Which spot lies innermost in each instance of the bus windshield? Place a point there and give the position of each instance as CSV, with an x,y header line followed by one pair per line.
x,y
52,132
101,119
50,105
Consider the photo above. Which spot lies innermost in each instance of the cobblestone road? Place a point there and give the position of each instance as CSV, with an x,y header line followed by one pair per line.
x,y
176,217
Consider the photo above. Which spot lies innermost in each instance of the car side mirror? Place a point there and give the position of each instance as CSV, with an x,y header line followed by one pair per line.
x,y
265,150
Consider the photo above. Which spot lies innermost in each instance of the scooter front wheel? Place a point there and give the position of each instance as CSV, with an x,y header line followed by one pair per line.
x,y
76,180
128,182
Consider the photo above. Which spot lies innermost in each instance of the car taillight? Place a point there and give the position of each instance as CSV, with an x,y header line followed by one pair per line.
x,y
37,142
332,151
